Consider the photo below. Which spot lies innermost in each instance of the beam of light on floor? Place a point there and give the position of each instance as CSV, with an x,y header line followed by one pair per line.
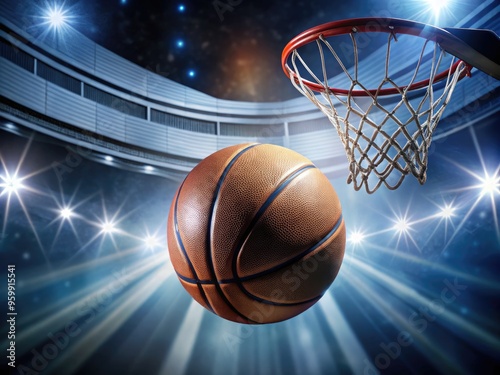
x,y
37,278
340,328
227,357
54,317
434,353
432,265
182,347
161,312
120,311
461,326
275,359
300,348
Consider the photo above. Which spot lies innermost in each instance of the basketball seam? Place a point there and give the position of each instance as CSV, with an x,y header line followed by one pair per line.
x,y
259,299
260,212
291,261
269,270
238,281
296,257
184,252
213,209
267,302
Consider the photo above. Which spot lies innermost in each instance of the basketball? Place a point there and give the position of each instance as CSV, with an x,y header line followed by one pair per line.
x,y
256,234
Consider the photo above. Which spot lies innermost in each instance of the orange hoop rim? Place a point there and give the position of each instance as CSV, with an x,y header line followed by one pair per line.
x,y
367,25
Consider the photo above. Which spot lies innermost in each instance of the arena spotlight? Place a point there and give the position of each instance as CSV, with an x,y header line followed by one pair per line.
x,y
402,225
66,213
356,237
437,5
10,184
490,185
56,17
447,211
151,242
108,227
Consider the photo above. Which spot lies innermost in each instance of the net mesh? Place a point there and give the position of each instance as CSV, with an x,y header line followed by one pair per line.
x,y
385,138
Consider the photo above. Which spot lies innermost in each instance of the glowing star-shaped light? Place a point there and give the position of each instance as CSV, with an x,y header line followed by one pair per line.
x,y
356,237
66,213
108,227
10,184
447,211
490,185
402,226
151,241
56,16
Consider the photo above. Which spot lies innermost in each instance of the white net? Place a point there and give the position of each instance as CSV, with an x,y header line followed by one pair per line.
x,y
385,137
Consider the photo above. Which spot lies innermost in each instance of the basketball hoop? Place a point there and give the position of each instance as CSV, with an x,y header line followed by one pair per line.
x,y
386,129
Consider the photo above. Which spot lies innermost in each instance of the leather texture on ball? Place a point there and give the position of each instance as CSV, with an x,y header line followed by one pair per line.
x,y
256,234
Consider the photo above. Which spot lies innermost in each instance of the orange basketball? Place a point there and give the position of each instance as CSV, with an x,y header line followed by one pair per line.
x,y
255,233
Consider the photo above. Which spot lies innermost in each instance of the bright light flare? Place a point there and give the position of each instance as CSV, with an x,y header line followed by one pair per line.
x,y
11,184
402,225
151,241
108,227
490,185
66,213
447,211
56,16
437,5
356,237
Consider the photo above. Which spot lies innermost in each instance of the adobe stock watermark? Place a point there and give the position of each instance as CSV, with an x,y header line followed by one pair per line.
x,y
73,158
363,40
57,342
223,6
77,153
419,321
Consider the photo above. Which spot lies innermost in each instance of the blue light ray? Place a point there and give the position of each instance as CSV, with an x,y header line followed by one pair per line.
x,y
177,359
410,294
434,353
124,306
339,326
69,309
431,265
